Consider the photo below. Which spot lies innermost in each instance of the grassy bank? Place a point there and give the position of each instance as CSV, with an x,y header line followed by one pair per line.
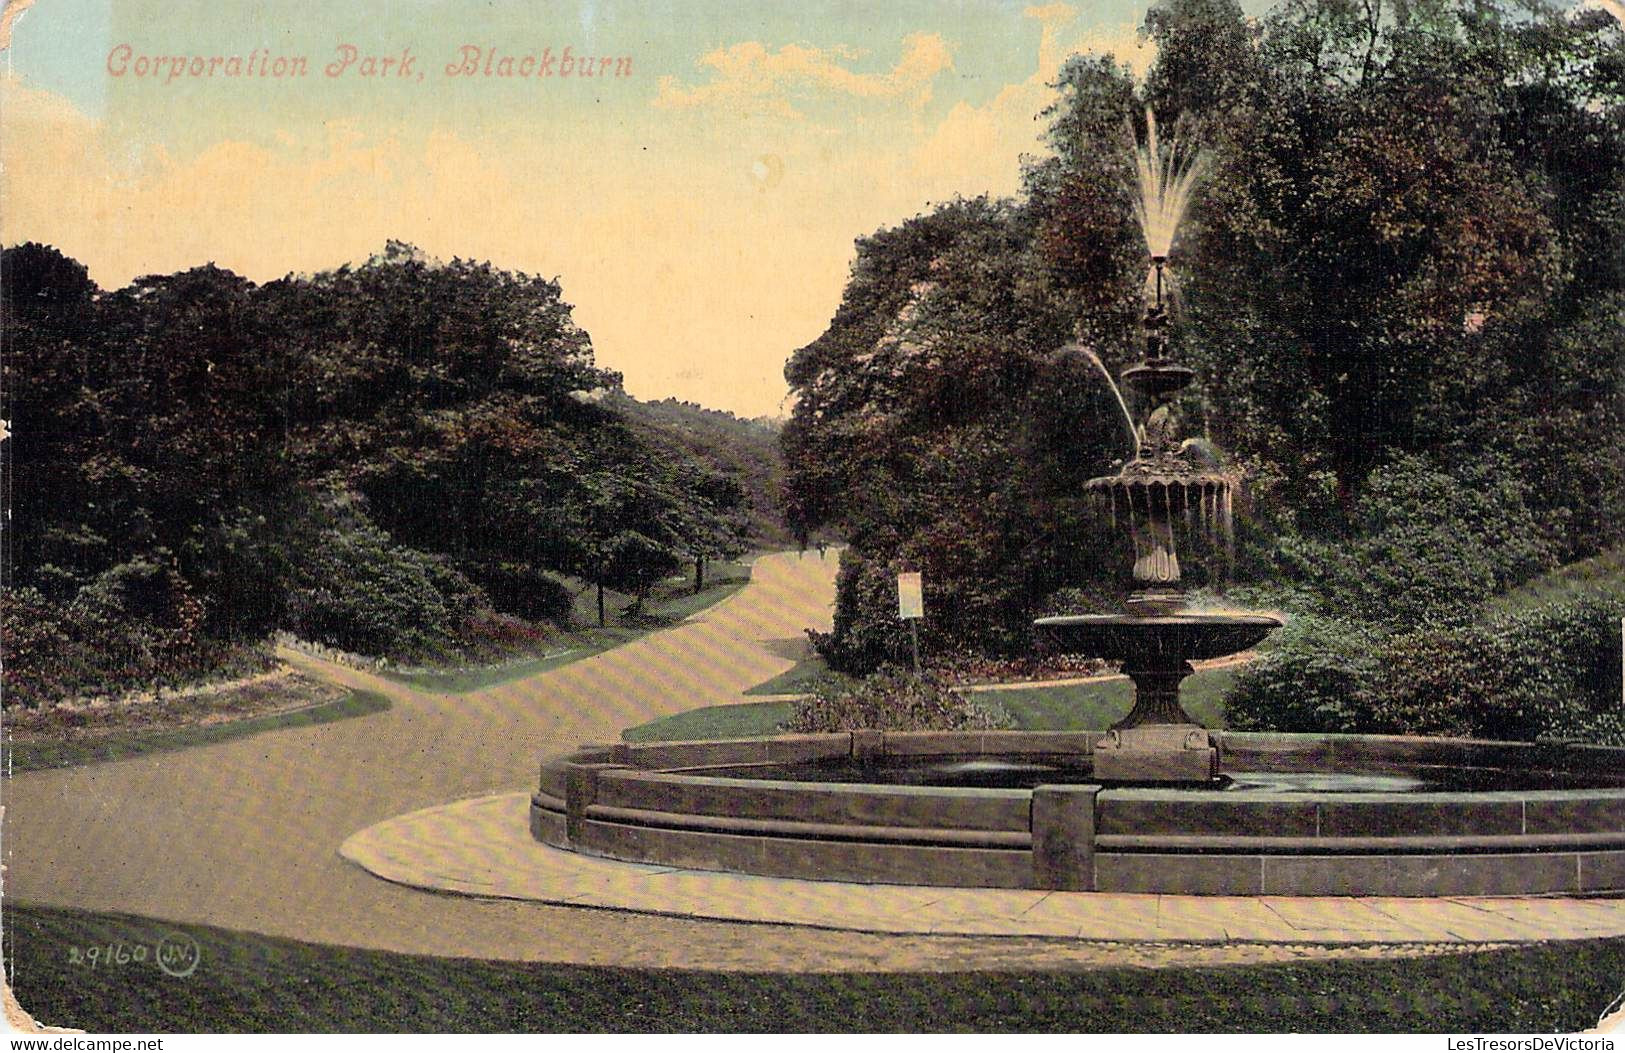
x,y
746,720
246,982
40,754
1096,706
1604,572
1064,707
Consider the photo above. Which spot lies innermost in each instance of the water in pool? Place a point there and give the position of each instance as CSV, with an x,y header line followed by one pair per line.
x,y
1021,774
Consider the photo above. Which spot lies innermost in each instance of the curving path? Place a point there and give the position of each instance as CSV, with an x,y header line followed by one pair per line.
x,y
246,834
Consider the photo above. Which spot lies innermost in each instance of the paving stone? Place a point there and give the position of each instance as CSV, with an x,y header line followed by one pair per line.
x,y
482,847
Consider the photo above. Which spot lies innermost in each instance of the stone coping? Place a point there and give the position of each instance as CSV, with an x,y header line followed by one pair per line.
x,y
657,803
481,847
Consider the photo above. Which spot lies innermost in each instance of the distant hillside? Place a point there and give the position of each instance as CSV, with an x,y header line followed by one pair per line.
x,y
726,442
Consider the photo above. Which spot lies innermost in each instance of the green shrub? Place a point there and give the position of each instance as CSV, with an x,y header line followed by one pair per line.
x,y
893,699
1536,670
1473,681
515,588
866,632
41,656
1317,677
1426,544
136,626
1543,670
1601,729
359,591
139,624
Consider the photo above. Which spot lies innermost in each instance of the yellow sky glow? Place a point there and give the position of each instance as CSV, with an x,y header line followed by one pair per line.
x,y
700,242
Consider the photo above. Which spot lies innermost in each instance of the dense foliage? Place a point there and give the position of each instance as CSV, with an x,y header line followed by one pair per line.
x,y
1402,285
375,456
937,376
1518,668
746,450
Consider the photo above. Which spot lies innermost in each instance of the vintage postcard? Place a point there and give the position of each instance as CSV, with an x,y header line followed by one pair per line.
x,y
791,516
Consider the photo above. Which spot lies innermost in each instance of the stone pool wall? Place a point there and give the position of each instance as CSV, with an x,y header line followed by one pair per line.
x,y
655,804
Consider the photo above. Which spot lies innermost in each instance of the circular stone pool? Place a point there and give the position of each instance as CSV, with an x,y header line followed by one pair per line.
x,y
1295,815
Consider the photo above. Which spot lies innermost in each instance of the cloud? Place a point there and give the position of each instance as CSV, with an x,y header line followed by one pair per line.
x,y
13,8
975,148
747,79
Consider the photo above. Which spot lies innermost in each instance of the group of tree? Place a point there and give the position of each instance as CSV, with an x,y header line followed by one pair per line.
x,y
379,457
738,448
1402,284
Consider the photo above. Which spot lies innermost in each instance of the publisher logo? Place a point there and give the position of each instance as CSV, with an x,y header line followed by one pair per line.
x,y
178,954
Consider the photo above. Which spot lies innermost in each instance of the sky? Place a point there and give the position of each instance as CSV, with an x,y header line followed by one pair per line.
x,y
698,204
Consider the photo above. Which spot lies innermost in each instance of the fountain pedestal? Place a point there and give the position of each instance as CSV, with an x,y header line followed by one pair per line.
x,y
1158,741
1157,753
1156,691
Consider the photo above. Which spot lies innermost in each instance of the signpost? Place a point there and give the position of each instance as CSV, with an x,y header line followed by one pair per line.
x,y
911,608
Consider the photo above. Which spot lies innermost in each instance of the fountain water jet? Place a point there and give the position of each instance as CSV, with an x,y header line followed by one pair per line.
x,y
1128,418
1164,183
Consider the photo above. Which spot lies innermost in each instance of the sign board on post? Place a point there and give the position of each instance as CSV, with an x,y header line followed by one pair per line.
x,y
910,596
911,608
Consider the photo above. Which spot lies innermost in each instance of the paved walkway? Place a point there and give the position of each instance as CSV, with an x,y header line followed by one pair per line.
x,y
245,834
483,847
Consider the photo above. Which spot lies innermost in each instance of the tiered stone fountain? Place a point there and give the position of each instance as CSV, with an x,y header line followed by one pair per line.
x,y
1226,812
1167,484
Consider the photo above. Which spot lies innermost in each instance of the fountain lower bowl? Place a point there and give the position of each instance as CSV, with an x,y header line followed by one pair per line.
x,y
1179,637
1300,815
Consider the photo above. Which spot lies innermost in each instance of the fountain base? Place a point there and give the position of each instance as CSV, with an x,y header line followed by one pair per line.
x,y
1158,741
1151,603
1157,753
1298,815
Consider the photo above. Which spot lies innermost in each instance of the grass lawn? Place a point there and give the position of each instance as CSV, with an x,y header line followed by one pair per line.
x,y
667,605
1094,707
1070,707
798,679
34,756
746,720
1605,570
247,982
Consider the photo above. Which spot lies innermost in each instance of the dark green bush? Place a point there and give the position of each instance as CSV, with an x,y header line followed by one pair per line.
x,y
519,589
1426,543
1523,671
359,591
1480,681
893,699
140,624
42,658
136,626
1317,677
867,632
